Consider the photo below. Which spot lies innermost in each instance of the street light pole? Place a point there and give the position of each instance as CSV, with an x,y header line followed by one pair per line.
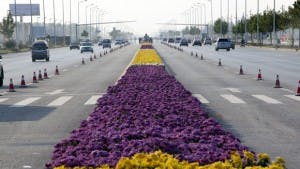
x,y
54,23
236,21
31,39
77,26
70,22
274,28
63,13
245,21
221,18
257,23
44,19
16,22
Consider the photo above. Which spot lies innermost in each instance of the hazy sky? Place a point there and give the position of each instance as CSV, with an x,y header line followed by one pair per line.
x,y
146,13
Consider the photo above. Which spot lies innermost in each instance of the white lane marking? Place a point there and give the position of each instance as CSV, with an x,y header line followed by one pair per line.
x,y
3,100
287,90
3,93
233,90
60,101
267,99
233,99
26,102
65,70
201,98
59,91
92,100
27,166
75,65
297,98
50,76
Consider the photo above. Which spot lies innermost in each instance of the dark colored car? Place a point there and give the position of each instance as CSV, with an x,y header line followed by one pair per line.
x,y
86,49
75,45
171,40
177,40
183,42
207,41
106,43
40,51
165,39
197,42
100,43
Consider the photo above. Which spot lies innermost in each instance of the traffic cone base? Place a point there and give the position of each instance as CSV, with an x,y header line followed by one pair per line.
x,y
82,61
220,63
45,74
40,75
259,76
11,86
56,71
241,70
201,56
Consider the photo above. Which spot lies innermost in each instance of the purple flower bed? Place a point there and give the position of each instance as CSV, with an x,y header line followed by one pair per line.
x,y
147,110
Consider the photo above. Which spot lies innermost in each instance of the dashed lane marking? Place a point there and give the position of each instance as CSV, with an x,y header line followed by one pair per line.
x,y
287,90
297,98
233,90
60,101
27,166
233,99
26,102
201,98
267,99
3,100
55,92
92,100
65,70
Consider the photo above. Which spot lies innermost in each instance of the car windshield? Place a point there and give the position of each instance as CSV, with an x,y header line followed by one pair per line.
x,y
106,41
86,44
39,46
223,40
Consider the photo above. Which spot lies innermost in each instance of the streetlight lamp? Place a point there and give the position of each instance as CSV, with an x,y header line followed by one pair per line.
x,y
77,26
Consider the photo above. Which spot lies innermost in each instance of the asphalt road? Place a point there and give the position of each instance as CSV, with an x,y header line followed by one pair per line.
x,y
284,62
264,118
34,119
18,64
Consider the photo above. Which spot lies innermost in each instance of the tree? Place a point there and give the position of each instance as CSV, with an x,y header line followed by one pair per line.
x,y
224,26
84,33
294,12
7,26
115,33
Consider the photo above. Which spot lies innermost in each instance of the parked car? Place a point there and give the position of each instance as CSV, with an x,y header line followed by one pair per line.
x,y
86,44
223,43
184,42
171,40
197,42
119,42
1,73
40,51
74,45
207,41
86,49
106,43
100,43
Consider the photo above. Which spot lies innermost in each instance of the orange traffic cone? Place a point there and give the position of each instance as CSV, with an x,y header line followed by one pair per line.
x,y
11,86
241,70
56,70
82,61
298,91
40,75
259,76
23,84
220,63
277,83
45,74
34,79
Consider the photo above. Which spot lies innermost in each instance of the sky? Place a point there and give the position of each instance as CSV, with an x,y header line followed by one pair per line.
x,y
145,13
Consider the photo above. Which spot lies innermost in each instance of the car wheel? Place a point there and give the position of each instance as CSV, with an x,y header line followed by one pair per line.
x,y
228,49
217,49
33,60
1,82
47,59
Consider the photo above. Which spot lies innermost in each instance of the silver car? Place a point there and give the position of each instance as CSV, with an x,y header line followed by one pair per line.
x,y
223,43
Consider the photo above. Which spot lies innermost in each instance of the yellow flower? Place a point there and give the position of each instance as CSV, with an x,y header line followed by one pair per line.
x,y
147,57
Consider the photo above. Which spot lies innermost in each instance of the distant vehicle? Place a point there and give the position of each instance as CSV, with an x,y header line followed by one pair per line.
x,y
223,43
74,45
86,44
232,46
177,40
119,42
1,73
165,39
100,43
106,43
86,49
189,41
197,42
184,42
40,51
207,41
171,40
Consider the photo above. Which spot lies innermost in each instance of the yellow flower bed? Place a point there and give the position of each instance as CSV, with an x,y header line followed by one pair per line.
x,y
147,57
160,160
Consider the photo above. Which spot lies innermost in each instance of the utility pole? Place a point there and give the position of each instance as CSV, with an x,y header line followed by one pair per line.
x,y
54,23
236,20
228,17
274,28
245,21
70,22
221,18
44,19
257,23
16,22
31,39
63,12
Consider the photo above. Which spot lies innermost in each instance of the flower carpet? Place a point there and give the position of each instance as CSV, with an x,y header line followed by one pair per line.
x,y
149,120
